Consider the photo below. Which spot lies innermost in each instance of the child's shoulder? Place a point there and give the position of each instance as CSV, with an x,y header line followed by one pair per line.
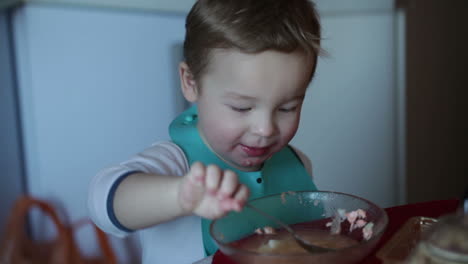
x,y
162,155
166,148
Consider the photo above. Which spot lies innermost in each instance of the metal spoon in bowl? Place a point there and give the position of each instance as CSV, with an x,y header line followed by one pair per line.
x,y
302,242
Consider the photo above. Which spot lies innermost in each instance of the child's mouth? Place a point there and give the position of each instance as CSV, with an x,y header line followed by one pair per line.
x,y
253,151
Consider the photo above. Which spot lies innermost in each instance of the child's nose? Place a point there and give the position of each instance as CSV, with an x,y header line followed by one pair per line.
x,y
264,126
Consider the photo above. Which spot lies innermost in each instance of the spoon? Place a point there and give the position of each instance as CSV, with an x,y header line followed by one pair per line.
x,y
302,242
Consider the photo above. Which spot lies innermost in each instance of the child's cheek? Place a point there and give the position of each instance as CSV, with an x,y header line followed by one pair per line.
x,y
220,133
289,129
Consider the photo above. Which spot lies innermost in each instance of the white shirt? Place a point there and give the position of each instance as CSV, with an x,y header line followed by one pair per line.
x,y
176,242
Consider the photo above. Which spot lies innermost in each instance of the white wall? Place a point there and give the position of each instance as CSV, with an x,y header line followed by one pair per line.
x,y
348,127
96,86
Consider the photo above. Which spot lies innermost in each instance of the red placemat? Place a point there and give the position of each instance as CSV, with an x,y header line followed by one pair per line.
x,y
397,215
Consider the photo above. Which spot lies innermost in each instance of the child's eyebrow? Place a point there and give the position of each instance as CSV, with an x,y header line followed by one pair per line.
x,y
239,96
297,97
250,98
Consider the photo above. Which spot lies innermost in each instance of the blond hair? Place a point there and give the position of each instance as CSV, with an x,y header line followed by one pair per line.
x,y
250,26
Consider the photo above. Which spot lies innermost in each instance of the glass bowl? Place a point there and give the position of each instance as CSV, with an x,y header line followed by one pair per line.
x,y
446,242
320,216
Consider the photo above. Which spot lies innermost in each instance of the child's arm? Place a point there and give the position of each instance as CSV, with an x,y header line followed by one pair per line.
x,y
142,200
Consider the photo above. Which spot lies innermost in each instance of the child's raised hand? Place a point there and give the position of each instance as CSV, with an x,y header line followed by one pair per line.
x,y
210,192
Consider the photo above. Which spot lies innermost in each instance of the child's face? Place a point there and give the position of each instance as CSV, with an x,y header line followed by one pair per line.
x,y
249,104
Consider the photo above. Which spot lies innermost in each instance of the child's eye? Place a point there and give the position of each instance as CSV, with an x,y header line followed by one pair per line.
x,y
288,109
241,109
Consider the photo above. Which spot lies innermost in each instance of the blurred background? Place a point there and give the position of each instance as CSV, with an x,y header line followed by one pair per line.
x,y
86,84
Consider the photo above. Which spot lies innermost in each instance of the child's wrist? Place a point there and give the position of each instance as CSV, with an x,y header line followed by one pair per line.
x,y
184,205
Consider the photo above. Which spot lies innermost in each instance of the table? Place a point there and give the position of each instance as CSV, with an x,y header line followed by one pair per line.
x,y
397,215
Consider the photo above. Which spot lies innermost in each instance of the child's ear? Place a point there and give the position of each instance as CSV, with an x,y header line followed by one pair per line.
x,y
188,83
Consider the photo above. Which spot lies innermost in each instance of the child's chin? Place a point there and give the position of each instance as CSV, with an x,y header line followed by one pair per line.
x,y
252,165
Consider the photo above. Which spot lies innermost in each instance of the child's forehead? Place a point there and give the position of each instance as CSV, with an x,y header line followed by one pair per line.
x,y
221,52
229,59
232,70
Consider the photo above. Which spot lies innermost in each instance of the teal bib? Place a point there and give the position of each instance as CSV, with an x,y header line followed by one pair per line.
x,y
282,172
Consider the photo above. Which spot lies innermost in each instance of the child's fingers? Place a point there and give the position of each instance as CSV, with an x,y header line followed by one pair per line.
x,y
213,178
241,196
197,173
229,184
191,188
237,201
242,193
222,187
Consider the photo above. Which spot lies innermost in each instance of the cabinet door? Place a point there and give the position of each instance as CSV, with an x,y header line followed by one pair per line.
x,y
436,81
